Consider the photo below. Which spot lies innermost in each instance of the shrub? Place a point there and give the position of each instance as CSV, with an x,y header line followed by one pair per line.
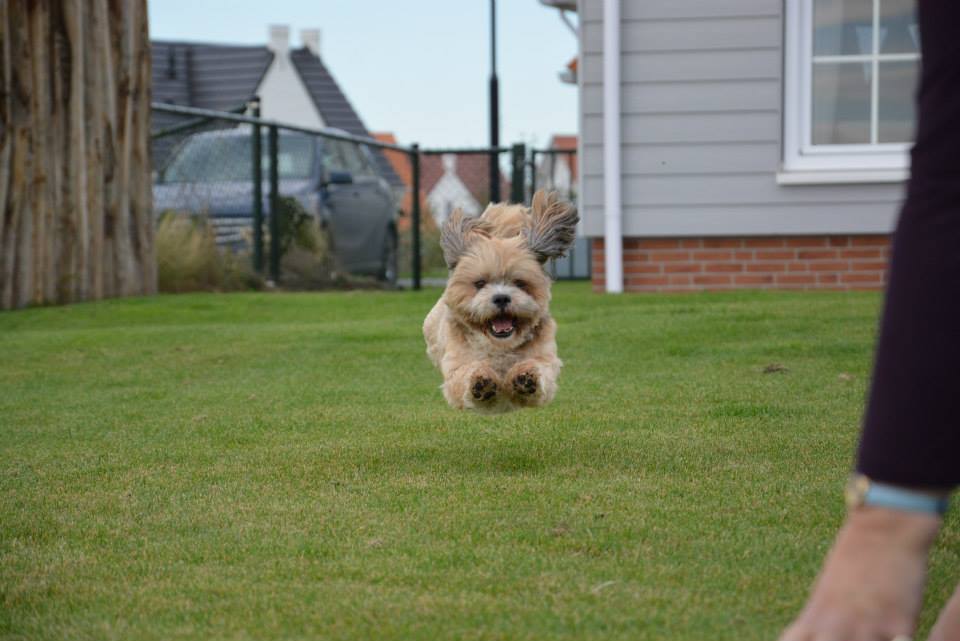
x,y
307,258
431,255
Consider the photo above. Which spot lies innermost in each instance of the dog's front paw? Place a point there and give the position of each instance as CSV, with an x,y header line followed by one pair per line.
x,y
525,383
531,384
483,388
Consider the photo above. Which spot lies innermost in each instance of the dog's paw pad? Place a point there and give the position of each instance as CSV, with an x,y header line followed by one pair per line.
x,y
483,388
525,384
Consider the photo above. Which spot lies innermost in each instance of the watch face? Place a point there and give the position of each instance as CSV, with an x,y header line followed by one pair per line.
x,y
856,490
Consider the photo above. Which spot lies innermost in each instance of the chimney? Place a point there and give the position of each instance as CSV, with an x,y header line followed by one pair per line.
x,y
311,40
279,39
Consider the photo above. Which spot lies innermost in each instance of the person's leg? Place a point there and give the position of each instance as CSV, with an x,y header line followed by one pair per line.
x,y
872,581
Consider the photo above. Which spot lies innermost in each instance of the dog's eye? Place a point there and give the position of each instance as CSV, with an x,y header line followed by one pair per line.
x,y
522,284
479,284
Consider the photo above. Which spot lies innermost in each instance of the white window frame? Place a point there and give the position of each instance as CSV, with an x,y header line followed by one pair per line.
x,y
804,162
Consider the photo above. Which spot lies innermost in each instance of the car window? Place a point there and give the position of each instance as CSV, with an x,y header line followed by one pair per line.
x,y
333,156
366,154
226,157
294,156
353,159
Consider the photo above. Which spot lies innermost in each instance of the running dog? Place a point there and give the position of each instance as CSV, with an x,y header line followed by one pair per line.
x,y
491,334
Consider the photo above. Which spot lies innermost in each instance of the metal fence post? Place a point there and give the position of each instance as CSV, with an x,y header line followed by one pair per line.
x,y
272,150
518,156
495,175
257,189
415,213
533,172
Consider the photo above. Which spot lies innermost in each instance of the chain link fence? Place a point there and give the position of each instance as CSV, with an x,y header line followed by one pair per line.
x,y
312,207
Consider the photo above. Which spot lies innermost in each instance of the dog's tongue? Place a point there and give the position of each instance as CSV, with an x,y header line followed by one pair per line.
x,y
502,324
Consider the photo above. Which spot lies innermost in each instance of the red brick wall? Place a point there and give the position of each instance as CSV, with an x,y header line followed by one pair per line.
x,y
788,262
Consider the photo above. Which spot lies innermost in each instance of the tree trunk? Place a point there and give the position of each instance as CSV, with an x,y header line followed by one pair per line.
x,y
75,203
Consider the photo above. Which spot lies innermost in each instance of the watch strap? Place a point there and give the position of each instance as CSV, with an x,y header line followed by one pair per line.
x,y
898,498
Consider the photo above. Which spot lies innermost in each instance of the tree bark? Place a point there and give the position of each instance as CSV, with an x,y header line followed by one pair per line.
x,y
76,217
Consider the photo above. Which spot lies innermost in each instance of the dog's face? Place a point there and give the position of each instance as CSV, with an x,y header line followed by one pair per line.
x,y
497,286
499,290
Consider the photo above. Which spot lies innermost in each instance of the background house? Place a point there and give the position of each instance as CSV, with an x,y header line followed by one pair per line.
x,y
447,181
452,180
294,85
755,143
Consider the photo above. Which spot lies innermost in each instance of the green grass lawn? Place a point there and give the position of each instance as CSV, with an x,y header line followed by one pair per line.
x,y
283,466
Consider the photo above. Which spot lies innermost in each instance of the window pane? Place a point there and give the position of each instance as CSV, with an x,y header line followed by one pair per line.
x,y
294,156
332,158
898,82
899,32
842,27
841,103
365,159
351,156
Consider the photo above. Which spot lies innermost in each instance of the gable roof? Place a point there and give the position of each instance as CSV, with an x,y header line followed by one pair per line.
x,y
208,76
333,105
224,77
330,101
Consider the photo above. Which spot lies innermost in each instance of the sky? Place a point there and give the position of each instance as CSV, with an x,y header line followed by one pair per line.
x,y
418,68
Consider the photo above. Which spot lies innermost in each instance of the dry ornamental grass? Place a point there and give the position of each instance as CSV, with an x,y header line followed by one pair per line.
x,y
189,260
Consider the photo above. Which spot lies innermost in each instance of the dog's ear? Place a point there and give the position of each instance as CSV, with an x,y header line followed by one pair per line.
x,y
459,230
552,226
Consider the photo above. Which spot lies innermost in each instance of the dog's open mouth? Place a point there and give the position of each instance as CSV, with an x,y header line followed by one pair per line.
x,y
503,326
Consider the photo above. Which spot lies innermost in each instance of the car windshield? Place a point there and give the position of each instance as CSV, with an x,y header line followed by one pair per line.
x,y
226,158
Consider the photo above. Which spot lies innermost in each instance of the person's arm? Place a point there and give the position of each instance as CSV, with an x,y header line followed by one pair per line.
x,y
871,584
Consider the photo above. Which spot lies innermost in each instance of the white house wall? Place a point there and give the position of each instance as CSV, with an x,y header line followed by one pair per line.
x,y
701,123
283,96
450,193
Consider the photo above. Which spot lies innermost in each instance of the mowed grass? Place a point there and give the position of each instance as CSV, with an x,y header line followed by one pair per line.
x,y
265,466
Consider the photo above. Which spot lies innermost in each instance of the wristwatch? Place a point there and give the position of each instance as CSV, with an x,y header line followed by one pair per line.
x,y
862,491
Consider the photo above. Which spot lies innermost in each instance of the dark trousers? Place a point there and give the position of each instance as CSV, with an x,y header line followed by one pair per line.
x,y
911,433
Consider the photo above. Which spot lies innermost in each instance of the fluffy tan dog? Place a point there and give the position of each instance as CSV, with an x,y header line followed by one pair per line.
x,y
491,333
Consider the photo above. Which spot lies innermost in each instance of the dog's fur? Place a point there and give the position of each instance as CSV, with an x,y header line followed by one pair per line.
x,y
497,285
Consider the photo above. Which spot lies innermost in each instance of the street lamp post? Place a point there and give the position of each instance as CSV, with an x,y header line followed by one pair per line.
x,y
494,108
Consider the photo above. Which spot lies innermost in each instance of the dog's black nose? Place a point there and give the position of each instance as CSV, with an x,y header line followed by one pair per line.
x,y
501,300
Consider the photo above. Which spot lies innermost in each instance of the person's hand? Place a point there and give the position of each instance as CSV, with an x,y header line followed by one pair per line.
x,y
947,627
871,585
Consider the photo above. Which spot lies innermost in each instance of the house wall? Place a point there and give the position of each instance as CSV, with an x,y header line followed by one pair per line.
x,y
283,96
701,128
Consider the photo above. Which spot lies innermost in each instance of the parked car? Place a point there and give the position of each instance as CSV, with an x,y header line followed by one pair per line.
x,y
335,181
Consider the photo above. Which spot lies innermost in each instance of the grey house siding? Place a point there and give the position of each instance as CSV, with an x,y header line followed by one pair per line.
x,y
701,127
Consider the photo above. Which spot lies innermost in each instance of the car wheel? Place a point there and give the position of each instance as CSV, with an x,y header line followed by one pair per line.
x,y
388,266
